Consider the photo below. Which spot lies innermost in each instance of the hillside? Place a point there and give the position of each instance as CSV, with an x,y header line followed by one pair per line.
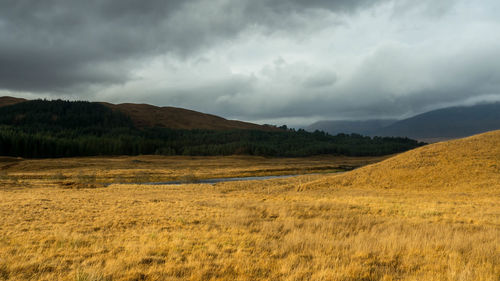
x,y
42,128
334,127
145,115
472,162
446,123
5,101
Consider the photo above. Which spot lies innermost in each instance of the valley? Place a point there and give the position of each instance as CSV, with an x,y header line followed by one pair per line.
x,y
419,215
190,140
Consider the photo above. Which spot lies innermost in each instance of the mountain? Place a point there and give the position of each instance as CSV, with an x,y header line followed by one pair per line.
x,y
145,115
437,125
446,123
334,127
471,163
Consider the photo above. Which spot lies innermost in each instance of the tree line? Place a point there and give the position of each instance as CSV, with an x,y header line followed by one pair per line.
x,y
40,128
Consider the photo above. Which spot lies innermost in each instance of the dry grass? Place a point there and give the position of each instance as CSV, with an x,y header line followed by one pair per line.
x,y
95,171
303,228
469,163
248,231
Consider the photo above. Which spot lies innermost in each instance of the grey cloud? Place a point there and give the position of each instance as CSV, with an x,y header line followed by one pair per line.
x,y
396,81
209,97
54,45
287,6
63,47
279,90
320,79
429,8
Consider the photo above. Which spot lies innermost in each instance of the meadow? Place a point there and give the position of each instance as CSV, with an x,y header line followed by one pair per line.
x,y
82,172
310,227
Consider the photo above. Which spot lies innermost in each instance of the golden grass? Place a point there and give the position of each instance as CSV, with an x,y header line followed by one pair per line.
x,y
94,171
248,231
315,227
469,163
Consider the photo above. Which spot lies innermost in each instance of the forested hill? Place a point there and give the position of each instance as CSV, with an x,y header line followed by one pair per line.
x,y
61,115
41,128
146,115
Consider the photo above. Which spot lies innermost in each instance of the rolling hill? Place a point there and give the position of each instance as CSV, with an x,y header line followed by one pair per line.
x,y
145,116
469,163
5,101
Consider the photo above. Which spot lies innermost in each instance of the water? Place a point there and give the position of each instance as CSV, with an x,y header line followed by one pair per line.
x,y
217,180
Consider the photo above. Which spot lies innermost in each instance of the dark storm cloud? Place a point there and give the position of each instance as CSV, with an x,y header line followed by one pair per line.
x,y
299,5
275,11
255,59
54,45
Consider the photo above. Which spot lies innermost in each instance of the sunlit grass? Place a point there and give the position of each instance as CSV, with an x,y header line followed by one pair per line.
x,y
248,231
357,226
100,171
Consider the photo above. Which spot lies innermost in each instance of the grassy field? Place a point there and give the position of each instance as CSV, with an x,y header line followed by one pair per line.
x,y
312,227
98,171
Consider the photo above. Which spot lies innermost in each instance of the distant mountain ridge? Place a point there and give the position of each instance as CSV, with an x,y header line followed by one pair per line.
x,y
446,123
145,115
436,125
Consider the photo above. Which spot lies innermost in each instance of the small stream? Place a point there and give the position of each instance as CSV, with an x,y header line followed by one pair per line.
x,y
217,180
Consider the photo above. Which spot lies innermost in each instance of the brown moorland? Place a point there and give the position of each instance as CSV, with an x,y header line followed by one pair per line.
x,y
99,171
145,115
313,227
5,101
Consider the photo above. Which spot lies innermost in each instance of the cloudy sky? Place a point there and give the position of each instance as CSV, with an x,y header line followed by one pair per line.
x,y
267,61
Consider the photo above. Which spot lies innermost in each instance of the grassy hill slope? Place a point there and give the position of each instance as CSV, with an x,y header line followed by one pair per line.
x,y
472,162
145,115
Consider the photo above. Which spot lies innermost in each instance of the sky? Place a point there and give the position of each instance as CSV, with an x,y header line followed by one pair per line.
x,y
266,61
